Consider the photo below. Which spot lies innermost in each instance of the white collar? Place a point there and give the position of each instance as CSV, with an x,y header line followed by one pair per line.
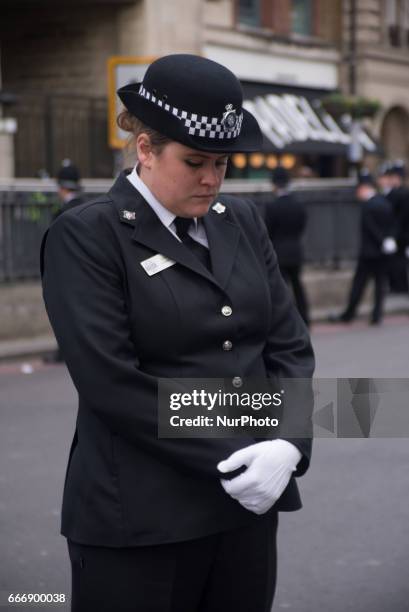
x,y
165,215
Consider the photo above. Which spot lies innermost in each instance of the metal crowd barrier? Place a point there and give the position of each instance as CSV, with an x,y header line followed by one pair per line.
x,y
27,207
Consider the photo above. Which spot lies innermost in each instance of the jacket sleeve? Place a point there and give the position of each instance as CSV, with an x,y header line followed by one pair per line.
x,y
288,354
270,217
84,297
405,224
303,218
378,224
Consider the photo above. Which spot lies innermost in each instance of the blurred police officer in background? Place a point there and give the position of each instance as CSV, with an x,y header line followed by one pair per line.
x,y
383,178
286,218
376,241
69,187
398,195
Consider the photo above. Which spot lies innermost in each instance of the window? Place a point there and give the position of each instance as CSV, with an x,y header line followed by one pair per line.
x,y
282,17
397,22
405,22
301,17
392,22
249,12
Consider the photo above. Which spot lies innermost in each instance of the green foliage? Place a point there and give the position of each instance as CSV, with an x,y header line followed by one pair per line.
x,y
37,209
357,107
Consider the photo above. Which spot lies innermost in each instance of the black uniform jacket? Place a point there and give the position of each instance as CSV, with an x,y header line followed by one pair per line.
x,y
399,198
376,225
119,329
68,205
286,218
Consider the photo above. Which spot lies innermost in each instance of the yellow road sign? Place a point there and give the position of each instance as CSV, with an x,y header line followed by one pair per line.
x,y
121,71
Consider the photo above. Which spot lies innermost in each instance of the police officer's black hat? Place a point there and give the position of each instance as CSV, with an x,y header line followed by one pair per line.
x,y
280,176
366,178
398,168
194,101
384,168
68,176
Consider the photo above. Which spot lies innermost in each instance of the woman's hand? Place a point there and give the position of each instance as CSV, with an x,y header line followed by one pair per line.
x,y
270,465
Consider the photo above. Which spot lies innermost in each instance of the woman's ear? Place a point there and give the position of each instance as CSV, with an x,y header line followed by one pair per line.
x,y
144,150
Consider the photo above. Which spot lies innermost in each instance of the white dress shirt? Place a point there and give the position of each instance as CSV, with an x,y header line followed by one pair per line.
x,y
166,217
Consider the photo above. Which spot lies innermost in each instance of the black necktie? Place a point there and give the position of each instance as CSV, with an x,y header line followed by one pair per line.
x,y
202,253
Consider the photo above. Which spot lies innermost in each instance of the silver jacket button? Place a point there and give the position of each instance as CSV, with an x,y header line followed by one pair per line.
x,y
227,345
237,382
226,311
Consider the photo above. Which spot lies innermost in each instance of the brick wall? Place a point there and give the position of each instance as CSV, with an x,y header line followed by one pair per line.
x,y
64,50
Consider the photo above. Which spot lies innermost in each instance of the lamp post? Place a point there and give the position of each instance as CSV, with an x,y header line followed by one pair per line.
x,y
355,151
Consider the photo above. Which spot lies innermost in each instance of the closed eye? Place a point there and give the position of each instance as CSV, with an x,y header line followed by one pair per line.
x,y
194,164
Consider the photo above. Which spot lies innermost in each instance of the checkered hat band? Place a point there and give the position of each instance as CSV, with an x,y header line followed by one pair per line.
x,y
196,125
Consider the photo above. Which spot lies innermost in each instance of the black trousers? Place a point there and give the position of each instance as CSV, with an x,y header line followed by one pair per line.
x,y
233,571
397,273
291,275
366,270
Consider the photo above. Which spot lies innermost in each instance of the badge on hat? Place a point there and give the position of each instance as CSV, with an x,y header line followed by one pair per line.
x,y
230,118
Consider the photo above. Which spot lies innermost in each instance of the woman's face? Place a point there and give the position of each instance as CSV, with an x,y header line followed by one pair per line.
x,y
184,180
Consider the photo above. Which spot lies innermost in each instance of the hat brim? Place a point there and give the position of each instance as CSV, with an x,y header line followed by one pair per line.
x,y
72,185
155,117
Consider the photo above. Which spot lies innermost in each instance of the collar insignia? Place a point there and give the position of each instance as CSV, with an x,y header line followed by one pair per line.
x,y
128,215
219,207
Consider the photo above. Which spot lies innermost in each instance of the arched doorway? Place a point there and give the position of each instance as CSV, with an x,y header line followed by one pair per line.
x,y
395,133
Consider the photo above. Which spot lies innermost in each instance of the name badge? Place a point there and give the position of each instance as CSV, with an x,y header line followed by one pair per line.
x,y
156,264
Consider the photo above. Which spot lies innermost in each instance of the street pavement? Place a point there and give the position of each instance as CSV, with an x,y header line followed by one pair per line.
x,y
346,551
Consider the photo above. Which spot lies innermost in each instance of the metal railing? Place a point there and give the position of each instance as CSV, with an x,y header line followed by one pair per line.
x,y
53,127
27,207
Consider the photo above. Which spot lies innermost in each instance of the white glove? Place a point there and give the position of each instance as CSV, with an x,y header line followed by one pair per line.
x,y
269,468
407,252
389,246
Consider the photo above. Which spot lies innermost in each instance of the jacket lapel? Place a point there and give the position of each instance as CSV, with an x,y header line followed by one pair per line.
x,y
149,231
223,236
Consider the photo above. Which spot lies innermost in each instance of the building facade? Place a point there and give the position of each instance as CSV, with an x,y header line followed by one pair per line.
x,y
288,54
379,33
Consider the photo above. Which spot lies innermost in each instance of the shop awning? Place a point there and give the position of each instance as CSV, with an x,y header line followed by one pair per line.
x,y
293,121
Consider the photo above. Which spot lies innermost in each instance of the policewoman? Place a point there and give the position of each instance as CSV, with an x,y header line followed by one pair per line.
x,y
163,278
